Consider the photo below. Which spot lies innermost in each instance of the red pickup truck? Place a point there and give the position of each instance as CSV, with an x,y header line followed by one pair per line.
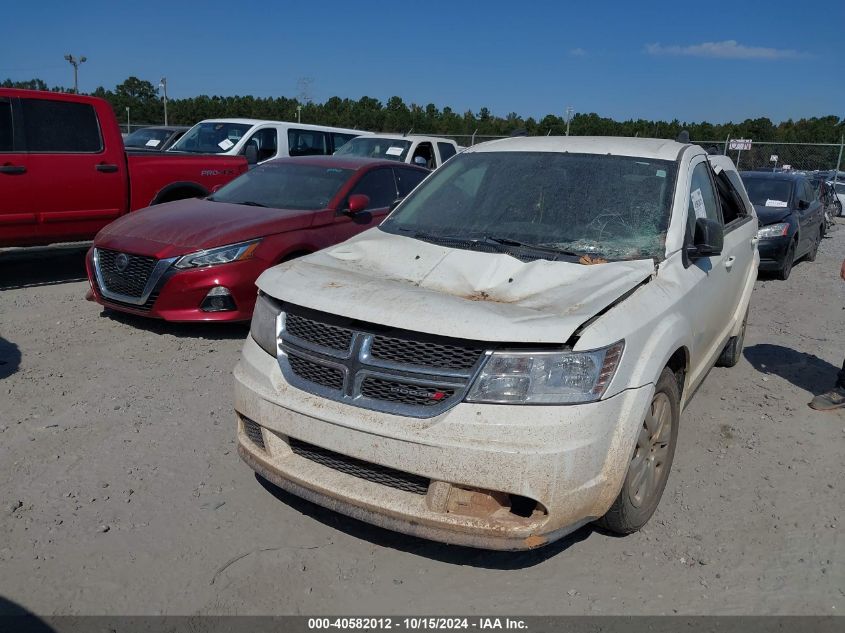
x,y
64,173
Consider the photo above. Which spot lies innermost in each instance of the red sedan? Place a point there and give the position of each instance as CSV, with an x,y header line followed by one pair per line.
x,y
197,260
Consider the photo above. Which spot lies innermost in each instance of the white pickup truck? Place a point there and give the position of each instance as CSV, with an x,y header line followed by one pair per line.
x,y
426,151
507,356
267,139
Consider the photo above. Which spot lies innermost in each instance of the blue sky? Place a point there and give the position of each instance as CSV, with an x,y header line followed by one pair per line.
x,y
715,61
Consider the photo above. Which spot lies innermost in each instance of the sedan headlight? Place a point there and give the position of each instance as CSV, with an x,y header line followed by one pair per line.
x,y
773,230
546,377
220,255
264,326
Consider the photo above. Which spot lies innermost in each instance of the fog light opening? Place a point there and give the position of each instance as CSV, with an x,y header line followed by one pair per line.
x,y
525,507
218,299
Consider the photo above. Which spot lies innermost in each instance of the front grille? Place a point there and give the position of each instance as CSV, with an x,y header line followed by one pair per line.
x,y
253,432
314,372
144,307
132,280
316,333
404,392
359,468
424,353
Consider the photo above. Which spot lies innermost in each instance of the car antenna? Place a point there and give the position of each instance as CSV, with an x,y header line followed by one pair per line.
x,y
683,137
408,132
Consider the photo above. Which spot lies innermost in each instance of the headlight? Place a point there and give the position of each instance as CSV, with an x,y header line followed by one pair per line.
x,y
264,323
546,377
773,230
220,255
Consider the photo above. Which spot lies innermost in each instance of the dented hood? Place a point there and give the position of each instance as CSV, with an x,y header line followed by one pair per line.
x,y
410,284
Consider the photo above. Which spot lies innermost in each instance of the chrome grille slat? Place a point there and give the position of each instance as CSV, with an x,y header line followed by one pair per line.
x,y
359,468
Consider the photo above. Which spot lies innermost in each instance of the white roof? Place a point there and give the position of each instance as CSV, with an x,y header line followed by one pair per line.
x,y
653,148
305,126
411,137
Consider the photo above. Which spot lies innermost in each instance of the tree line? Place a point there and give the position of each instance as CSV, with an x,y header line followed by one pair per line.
x,y
368,113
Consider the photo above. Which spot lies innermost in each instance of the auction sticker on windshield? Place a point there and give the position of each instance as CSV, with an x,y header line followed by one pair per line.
x,y
153,142
226,144
394,151
776,203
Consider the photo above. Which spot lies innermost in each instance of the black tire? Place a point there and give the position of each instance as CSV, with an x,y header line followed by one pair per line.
x,y
733,350
631,511
788,259
811,256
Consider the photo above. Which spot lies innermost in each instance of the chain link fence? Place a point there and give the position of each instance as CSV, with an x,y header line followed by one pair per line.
x,y
769,156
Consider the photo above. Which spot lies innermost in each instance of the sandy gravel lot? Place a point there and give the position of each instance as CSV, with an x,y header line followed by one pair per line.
x,y
121,491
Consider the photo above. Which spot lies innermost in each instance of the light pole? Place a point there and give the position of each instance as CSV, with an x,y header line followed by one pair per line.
x,y
128,129
163,85
75,63
298,113
569,112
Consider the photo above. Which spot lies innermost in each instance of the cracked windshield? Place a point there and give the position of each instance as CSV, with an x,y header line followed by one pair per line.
x,y
545,204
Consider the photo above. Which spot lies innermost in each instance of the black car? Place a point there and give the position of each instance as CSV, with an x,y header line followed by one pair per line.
x,y
155,138
791,218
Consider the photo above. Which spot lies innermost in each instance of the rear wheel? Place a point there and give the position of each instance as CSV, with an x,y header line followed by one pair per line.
x,y
786,266
733,350
651,461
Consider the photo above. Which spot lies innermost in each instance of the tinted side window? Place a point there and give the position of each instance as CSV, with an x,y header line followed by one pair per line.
x,y
306,143
702,198
379,186
447,150
267,142
60,126
426,152
407,179
809,192
733,206
339,140
5,125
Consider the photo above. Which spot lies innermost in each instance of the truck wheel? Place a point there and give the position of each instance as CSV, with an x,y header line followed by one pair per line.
x,y
786,267
733,350
650,464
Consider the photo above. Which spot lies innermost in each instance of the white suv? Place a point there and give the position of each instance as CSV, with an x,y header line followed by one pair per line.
x,y
507,356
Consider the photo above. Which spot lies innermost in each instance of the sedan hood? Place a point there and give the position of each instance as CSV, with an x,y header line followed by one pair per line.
x,y
185,226
770,215
406,283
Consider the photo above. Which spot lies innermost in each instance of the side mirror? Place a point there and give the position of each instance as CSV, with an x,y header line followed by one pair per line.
x,y
357,203
803,204
251,153
708,239
419,160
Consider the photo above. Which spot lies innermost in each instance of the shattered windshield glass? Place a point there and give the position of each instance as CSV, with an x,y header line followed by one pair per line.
x,y
614,207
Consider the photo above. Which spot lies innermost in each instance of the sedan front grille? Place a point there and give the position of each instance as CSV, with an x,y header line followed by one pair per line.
x,y
132,279
359,468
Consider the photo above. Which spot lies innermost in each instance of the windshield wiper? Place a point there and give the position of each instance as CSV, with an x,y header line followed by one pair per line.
x,y
251,203
506,241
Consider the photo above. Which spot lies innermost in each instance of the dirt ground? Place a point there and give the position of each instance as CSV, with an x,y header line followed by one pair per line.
x,y
121,491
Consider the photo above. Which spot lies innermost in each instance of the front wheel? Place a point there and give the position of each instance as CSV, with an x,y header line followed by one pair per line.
x,y
786,266
814,250
649,468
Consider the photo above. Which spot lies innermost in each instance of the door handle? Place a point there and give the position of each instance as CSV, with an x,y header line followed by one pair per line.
x,y
12,169
107,168
729,262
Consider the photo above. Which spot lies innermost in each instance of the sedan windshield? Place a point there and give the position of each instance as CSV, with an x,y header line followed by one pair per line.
x,y
147,137
211,137
390,149
768,192
285,186
544,203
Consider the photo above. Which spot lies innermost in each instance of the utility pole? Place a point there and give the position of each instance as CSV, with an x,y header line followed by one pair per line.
x,y
163,85
838,162
128,129
75,63
298,113
569,112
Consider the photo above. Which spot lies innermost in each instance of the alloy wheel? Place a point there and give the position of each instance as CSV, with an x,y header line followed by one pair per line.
x,y
650,456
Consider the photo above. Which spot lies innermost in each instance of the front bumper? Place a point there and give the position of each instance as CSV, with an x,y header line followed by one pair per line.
x,y
772,251
179,294
571,460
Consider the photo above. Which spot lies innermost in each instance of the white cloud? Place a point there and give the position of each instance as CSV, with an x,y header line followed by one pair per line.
x,y
578,52
729,49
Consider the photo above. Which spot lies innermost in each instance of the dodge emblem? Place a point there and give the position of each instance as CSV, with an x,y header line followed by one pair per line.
x,y
121,262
